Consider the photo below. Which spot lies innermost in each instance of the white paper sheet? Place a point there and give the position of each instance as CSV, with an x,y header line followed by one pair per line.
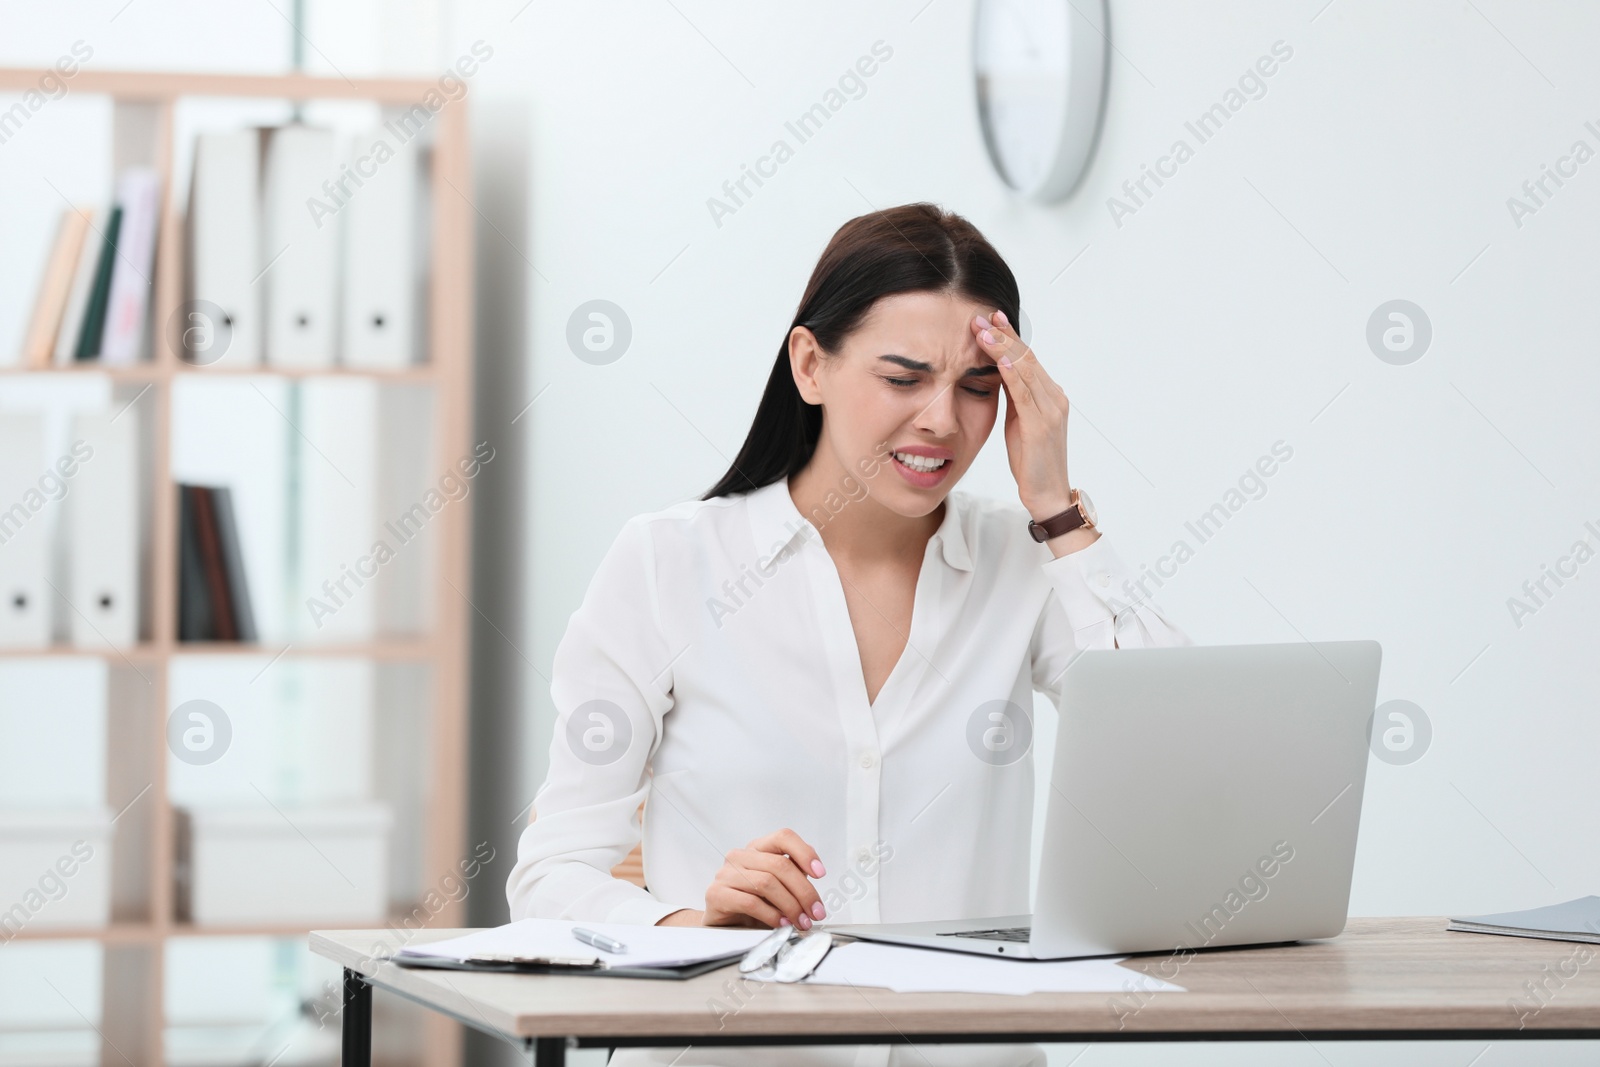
x,y
918,970
648,946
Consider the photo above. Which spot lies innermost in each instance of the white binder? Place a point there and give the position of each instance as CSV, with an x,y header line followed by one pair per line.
x,y
224,240
133,271
299,246
103,532
380,258
24,542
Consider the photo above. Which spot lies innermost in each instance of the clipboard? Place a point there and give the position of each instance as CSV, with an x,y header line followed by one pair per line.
x,y
569,965
550,946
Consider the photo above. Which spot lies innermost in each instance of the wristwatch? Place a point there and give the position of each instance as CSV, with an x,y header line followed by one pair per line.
x,y
1081,513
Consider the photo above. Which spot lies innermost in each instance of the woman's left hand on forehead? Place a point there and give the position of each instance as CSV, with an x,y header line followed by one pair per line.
x,y
1036,417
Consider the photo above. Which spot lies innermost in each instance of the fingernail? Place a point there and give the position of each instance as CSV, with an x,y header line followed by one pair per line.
x,y
805,923
1005,360
783,920
1001,315
988,338
818,910
816,868
980,320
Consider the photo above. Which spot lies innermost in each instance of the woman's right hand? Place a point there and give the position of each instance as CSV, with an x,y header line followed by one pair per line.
x,y
765,884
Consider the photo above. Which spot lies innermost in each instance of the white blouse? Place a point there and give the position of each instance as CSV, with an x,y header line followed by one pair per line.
x,y
712,673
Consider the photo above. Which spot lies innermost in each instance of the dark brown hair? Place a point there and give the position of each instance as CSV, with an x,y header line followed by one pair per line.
x,y
906,249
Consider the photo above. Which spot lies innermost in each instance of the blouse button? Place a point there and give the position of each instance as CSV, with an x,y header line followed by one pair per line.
x,y
867,761
1103,579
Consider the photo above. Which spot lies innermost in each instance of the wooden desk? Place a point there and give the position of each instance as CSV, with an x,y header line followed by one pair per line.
x,y
1382,979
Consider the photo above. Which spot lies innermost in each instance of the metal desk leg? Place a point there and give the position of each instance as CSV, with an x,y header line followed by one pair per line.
x,y
550,1052
356,1030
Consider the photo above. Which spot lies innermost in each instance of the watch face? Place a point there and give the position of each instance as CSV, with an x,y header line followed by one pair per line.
x,y
1086,506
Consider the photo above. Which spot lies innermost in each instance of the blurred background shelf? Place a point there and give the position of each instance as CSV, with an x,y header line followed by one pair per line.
x,y
418,680
170,85
133,933
147,372
150,372
400,649
114,934
378,650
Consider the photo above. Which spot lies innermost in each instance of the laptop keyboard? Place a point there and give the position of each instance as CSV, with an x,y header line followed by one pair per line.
x,y
1005,933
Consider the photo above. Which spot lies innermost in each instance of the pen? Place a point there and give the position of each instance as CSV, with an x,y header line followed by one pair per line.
x,y
599,941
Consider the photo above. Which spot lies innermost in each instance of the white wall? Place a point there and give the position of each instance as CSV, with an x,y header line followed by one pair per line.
x,y
1221,317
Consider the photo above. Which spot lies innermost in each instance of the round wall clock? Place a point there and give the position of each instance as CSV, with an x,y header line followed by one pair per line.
x,y
1039,68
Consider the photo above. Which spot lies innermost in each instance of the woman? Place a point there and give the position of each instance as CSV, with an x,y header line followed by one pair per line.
x,y
818,676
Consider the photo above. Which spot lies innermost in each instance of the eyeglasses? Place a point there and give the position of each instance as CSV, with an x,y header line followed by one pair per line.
x,y
785,957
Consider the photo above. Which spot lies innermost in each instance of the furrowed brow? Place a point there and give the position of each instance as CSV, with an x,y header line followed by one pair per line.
x,y
986,370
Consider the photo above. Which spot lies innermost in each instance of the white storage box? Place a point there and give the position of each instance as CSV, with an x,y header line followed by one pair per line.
x,y
283,865
55,868
73,1047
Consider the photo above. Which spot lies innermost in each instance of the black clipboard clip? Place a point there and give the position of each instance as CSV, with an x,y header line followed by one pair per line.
x,y
487,959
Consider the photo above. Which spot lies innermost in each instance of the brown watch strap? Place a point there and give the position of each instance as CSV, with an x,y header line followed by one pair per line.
x,y
1056,525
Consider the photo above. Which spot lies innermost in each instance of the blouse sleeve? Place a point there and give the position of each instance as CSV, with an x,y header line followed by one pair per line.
x,y
611,684
1096,604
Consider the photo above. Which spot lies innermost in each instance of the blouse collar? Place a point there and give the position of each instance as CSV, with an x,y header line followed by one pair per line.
x,y
776,522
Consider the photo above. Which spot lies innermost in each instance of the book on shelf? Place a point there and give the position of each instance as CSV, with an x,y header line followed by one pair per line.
x,y
213,595
285,287
244,623
128,297
194,601
94,296
50,304
213,565
92,328
71,323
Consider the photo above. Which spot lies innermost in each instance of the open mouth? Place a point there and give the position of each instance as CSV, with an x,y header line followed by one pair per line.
x,y
920,464
920,471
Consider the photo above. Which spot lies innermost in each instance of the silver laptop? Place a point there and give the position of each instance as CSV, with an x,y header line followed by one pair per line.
x,y
1200,797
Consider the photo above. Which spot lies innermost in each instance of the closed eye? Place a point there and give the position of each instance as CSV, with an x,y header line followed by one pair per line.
x,y
906,383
